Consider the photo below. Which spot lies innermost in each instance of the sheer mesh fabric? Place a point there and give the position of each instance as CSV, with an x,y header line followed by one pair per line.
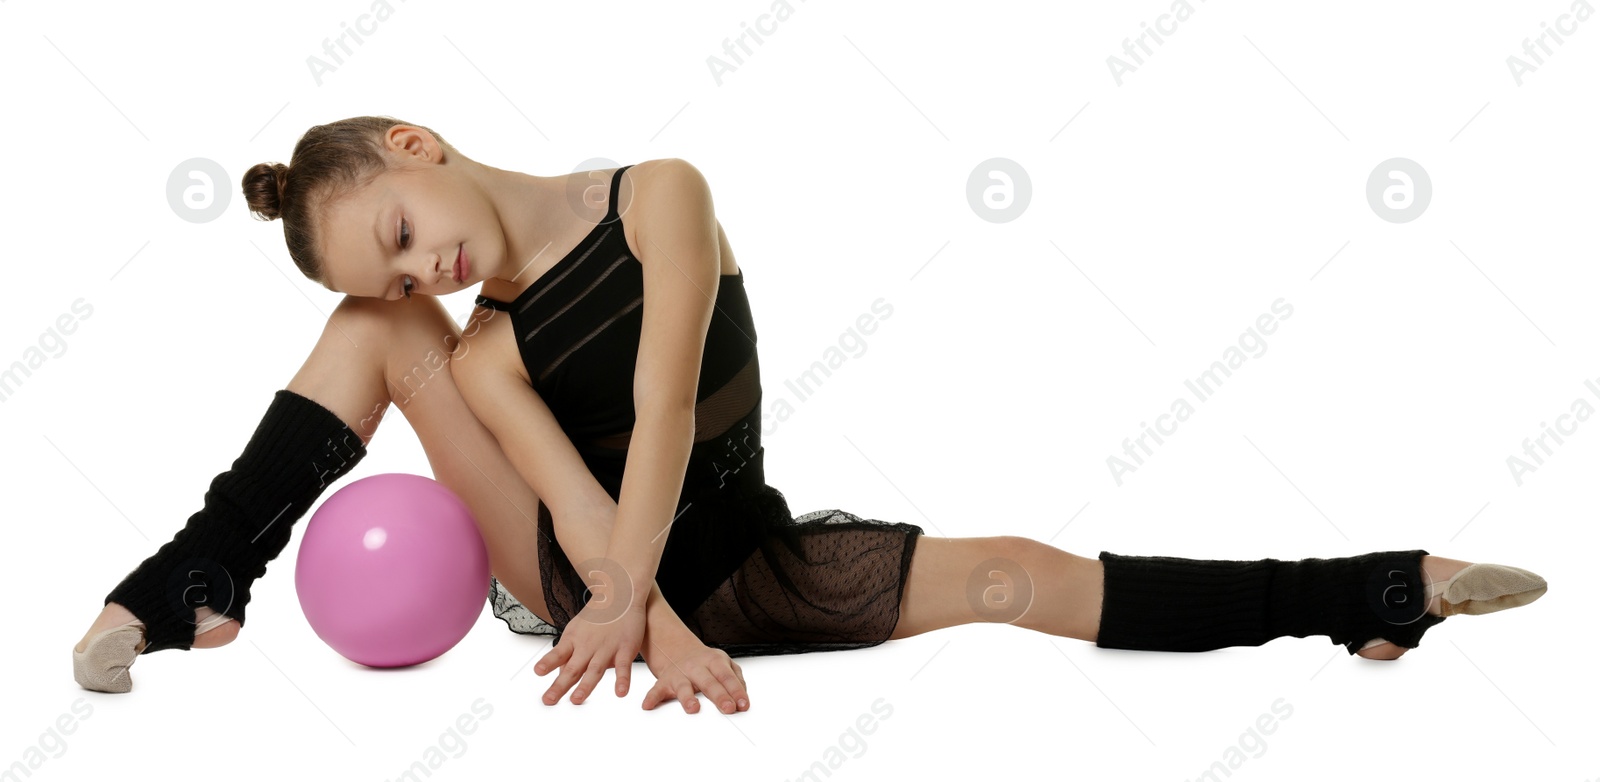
x,y
839,588
828,580
715,414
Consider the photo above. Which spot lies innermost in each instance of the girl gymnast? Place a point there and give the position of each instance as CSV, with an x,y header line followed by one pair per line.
x,y
612,309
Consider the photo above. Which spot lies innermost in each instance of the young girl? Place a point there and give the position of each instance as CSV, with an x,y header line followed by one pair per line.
x,y
613,331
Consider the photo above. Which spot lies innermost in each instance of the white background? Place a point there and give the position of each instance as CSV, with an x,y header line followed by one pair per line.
x,y
1166,214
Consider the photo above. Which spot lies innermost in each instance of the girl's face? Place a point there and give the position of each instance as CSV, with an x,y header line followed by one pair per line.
x,y
403,232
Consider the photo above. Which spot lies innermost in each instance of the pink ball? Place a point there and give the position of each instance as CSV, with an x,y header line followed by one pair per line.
x,y
392,571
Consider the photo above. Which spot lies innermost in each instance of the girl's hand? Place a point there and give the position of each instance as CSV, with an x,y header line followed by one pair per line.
x,y
683,666
591,643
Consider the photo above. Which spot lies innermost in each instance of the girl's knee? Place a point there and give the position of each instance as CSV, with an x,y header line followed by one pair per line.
x,y
1019,548
421,317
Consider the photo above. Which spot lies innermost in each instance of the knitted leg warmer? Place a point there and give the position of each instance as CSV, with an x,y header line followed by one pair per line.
x,y
1175,604
297,451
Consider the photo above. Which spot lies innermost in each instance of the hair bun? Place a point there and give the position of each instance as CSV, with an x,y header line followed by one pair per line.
x,y
263,189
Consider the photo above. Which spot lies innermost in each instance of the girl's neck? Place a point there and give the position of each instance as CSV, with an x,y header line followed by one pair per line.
x,y
533,215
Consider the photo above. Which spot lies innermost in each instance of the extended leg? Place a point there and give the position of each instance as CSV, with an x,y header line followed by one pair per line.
x,y
1017,580
1164,603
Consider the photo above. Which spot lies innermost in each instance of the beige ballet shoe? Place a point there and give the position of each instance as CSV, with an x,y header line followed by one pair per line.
x,y
1483,588
102,665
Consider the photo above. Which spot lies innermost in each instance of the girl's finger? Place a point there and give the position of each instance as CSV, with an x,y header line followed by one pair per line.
x,y
553,659
690,703
591,677
735,687
569,676
624,665
715,691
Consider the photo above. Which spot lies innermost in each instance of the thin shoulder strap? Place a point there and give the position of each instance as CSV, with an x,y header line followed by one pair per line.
x,y
616,184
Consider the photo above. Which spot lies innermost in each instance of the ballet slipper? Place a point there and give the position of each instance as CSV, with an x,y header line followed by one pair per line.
x,y
102,665
1482,588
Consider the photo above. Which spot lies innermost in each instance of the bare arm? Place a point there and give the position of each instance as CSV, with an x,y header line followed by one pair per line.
x,y
583,513
680,253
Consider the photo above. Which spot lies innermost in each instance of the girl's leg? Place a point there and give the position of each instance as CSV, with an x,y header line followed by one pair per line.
x,y
955,581
375,352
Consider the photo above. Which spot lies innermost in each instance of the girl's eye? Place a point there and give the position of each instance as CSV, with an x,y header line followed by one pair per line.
x,y
405,239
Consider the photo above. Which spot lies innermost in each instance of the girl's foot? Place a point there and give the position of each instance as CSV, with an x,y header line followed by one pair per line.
x,y
118,640
1436,570
210,635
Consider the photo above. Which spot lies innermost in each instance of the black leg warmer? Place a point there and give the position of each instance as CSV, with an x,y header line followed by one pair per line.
x,y
297,451
1174,604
